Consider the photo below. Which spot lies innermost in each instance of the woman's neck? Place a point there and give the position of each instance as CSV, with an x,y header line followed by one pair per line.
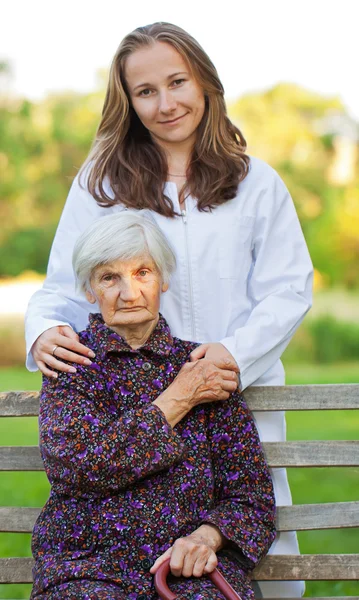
x,y
178,156
137,334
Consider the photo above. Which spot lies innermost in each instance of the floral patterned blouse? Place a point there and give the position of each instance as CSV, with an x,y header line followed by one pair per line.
x,y
125,485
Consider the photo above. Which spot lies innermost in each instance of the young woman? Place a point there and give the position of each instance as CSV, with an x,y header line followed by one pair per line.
x,y
244,276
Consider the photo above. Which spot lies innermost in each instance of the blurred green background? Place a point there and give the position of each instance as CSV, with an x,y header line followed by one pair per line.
x,y
311,141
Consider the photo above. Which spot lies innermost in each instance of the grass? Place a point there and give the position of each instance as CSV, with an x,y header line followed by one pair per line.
x,y
308,485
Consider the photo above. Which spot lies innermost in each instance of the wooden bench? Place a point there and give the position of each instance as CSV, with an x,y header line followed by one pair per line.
x,y
283,454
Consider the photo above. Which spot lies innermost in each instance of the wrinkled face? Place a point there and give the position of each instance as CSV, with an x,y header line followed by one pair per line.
x,y
128,292
166,97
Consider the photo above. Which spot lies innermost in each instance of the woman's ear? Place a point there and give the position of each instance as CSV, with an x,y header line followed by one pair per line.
x,y
165,287
90,297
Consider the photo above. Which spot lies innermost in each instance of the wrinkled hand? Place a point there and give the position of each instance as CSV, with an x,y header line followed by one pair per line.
x,y
217,353
68,348
190,556
202,381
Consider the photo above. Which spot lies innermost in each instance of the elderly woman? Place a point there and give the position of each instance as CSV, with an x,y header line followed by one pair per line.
x,y
149,456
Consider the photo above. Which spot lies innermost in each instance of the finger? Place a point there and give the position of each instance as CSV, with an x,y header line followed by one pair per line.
x,y
68,332
211,563
179,549
228,375
54,363
43,368
199,352
75,346
199,566
229,386
189,560
224,363
63,354
161,559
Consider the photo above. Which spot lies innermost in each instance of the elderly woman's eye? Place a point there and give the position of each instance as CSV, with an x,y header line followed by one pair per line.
x,y
143,272
108,277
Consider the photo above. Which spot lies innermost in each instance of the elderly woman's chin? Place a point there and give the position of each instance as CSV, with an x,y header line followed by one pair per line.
x,y
131,317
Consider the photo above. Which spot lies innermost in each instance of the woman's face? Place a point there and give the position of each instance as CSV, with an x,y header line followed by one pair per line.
x,y
166,97
127,292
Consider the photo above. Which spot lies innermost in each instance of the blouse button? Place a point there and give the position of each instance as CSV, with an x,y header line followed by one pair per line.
x,y
146,366
146,563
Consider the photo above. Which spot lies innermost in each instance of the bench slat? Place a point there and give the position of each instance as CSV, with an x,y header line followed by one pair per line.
x,y
279,454
312,453
330,515
309,567
320,567
304,397
261,398
300,517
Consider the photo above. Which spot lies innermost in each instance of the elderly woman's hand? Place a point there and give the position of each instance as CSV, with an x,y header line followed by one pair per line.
x,y
197,383
57,344
195,554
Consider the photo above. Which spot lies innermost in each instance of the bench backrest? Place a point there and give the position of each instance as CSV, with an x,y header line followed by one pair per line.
x,y
279,454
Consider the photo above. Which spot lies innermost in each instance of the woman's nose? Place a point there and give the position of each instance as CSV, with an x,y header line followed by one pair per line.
x,y
167,101
129,291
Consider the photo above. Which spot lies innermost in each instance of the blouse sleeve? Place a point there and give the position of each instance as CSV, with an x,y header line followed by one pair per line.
x,y
279,286
87,447
57,303
244,508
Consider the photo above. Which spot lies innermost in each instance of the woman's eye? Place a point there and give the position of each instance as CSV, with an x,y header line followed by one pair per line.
x,y
108,277
177,82
143,273
146,92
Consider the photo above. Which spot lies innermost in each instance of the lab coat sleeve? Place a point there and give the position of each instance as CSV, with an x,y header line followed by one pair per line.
x,y
279,284
57,303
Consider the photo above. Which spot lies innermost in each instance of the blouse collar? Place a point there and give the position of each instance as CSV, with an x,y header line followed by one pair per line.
x,y
106,340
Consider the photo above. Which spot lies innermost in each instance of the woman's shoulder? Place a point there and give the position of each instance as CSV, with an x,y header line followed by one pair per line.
x,y
184,347
261,189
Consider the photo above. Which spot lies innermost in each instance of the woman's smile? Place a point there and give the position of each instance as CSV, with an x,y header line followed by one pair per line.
x,y
173,121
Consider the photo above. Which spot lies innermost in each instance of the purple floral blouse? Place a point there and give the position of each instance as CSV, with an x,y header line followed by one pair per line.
x,y
125,485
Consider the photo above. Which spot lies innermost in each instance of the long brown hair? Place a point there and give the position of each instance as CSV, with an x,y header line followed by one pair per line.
x,y
125,156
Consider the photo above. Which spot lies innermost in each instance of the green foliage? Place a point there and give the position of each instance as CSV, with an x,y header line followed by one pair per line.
x,y
329,334
42,146
26,249
334,340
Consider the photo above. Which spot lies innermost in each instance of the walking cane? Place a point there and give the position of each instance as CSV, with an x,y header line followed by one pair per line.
x,y
216,577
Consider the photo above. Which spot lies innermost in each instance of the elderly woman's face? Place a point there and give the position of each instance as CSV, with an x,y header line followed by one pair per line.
x,y
127,291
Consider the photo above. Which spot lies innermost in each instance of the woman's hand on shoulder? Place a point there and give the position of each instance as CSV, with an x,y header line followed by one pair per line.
x,y
217,353
193,555
57,344
197,382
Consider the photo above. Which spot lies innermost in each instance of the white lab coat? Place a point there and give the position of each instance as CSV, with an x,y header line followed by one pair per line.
x,y
244,278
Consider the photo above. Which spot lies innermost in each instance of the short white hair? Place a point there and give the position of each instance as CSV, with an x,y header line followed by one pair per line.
x,y
125,235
